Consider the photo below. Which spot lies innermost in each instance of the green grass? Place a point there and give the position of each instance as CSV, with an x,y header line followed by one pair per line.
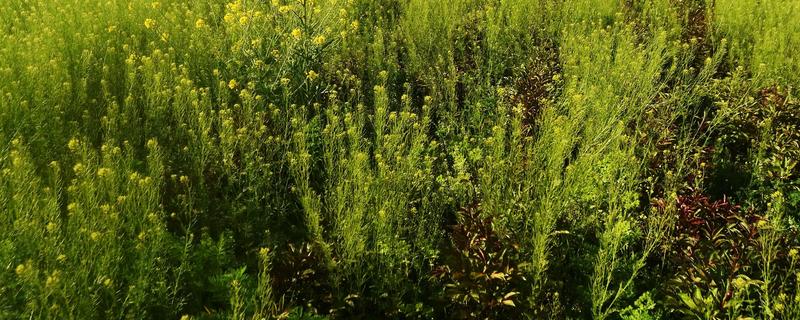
x,y
402,159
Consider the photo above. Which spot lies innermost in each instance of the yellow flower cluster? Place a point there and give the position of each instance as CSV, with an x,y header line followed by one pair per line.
x,y
103,172
297,33
73,144
149,23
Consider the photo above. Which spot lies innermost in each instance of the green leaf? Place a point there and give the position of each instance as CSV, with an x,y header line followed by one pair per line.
x,y
688,301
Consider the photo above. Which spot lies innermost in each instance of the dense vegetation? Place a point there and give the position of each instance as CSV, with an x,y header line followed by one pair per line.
x,y
402,159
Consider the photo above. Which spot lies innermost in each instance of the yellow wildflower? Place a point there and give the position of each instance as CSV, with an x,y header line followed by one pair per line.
x,y
243,20
285,81
51,227
319,40
20,269
73,144
52,280
284,9
149,23
94,235
184,179
312,75
297,33
739,283
229,18
103,172
232,84
78,168
200,23
145,182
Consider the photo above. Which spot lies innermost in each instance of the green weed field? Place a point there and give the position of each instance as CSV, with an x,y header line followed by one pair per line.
x,y
399,159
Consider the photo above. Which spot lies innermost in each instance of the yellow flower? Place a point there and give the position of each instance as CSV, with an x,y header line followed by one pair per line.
x,y
319,40
145,182
108,283
61,258
200,23
229,18
51,227
103,172
52,280
78,168
72,206
20,269
94,235
243,20
184,179
73,144
149,23
297,33
312,75
232,84
15,159
284,9
739,283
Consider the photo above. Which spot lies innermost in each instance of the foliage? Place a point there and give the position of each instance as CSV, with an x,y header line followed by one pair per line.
x,y
482,276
